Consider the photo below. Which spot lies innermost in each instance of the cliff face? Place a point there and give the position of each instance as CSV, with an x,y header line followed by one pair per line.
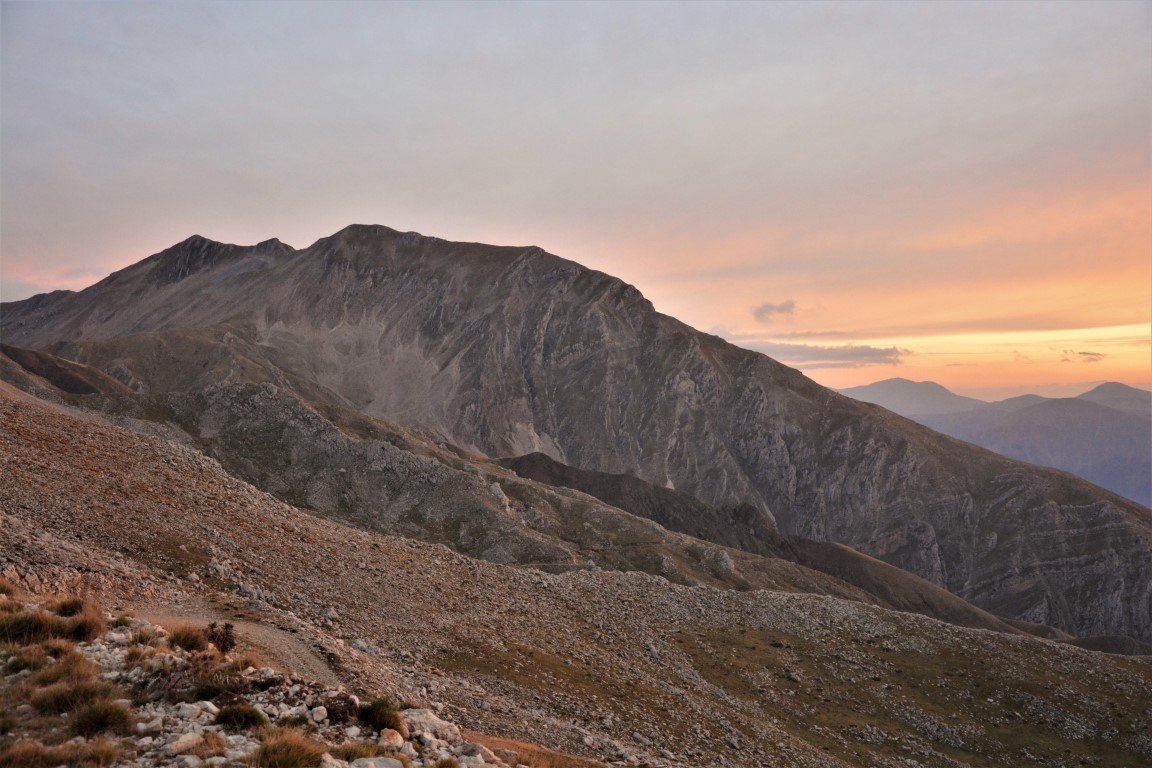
x,y
511,350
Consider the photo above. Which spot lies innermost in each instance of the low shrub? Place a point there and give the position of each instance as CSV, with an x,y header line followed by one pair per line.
x,y
58,647
10,606
447,762
240,717
122,621
223,636
284,748
380,714
7,723
7,588
64,697
101,717
189,638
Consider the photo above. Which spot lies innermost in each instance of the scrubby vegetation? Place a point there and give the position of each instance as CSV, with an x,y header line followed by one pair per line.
x,y
189,638
382,713
33,754
102,717
27,627
287,748
223,636
240,717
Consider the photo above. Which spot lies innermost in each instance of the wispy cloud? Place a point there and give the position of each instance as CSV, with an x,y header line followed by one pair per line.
x,y
1073,356
769,309
813,356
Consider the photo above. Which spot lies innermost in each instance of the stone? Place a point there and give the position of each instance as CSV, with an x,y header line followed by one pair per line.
x,y
319,714
391,738
352,731
377,762
425,721
327,761
185,743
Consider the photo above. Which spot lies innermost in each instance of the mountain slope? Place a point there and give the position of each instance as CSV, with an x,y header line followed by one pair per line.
x,y
910,398
887,585
1109,447
511,350
619,666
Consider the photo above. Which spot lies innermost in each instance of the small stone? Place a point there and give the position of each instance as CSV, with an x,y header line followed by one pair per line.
x,y
185,743
191,761
352,731
319,714
391,738
327,761
208,707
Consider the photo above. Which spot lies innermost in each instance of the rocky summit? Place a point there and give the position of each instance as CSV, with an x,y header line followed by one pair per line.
x,y
459,504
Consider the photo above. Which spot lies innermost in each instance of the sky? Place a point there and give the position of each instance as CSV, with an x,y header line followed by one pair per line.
x,y
959,192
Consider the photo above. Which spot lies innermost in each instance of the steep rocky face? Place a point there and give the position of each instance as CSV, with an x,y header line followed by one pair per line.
x,y
512,350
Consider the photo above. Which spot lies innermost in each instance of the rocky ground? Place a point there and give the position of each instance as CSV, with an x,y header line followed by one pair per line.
x,y
137,694
624,668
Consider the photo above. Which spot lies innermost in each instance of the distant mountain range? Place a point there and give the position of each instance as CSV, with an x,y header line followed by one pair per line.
x,y
1104,435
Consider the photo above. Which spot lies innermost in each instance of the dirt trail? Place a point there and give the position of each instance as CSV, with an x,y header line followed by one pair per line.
x,y
279,648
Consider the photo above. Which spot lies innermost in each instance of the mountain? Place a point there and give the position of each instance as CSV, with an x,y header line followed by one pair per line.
x,y
1103,436
910,398
508,350
1106,446
603,666
1121,397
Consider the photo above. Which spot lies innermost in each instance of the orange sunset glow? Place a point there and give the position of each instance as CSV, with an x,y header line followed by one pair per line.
x,y
953,192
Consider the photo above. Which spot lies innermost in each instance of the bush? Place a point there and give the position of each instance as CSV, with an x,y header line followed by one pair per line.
x,y
63,697
287,749
240,717
101,717
73,606
223,637
447,762
189,638
7,723
7,588
381,714
27,627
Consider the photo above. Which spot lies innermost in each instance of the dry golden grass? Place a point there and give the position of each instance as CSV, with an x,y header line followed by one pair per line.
x,y
26,657
28,627
247,659
354,750
70,668
285,748
533,755
32,754
8,588
188,637
64,697
214,745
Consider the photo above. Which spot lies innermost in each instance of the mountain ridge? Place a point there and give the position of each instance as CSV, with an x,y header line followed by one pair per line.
x,y
521,351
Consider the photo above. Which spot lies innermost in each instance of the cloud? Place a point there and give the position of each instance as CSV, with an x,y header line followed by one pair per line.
x,y
811,356
1071,356
768,309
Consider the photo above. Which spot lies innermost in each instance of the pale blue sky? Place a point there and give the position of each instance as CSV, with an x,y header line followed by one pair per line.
x,y
719,156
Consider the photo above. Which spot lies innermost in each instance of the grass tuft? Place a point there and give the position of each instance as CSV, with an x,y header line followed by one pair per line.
x,y
284,748
189,638
102,717
381,713
65,697
240,717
